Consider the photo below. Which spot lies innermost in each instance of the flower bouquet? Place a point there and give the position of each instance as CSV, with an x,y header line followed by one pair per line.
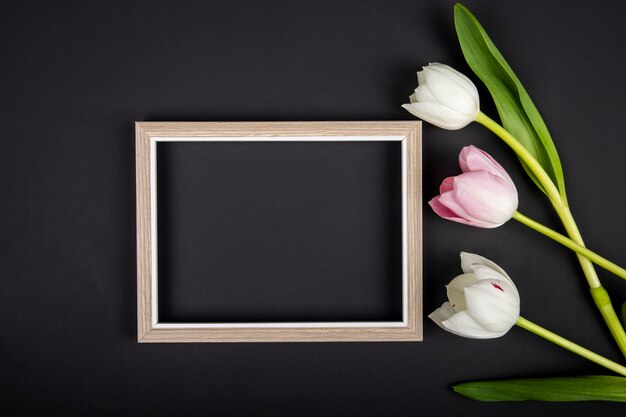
x,y
483,302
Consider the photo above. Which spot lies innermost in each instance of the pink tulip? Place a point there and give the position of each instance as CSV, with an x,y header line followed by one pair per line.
x,y
483,195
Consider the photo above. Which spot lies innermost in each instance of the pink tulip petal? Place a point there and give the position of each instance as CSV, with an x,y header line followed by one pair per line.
x,y
448,200
484,196
476,198
464,206
445,213
446,185
472,158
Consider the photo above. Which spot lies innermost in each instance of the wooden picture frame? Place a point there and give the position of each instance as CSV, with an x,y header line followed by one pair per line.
x,y
149,329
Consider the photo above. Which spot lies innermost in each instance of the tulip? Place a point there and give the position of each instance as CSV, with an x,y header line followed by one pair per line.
x,y
444,97
483,196
483,302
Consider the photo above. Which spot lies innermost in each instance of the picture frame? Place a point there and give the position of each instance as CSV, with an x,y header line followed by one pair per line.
x,y
151,330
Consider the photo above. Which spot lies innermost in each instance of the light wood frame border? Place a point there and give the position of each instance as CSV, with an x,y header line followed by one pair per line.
x,y
148,327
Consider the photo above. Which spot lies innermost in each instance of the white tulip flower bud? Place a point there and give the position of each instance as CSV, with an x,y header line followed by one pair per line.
x,y
444,97
483,302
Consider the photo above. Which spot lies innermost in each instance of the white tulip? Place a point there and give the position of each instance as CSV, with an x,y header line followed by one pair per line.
x,y
483,302
444,97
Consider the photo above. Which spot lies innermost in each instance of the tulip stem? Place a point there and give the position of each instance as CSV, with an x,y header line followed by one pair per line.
x,y
571,346
599,294
603,302
567,242
572,230
550,189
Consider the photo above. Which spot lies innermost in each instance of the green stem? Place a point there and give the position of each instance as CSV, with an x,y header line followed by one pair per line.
x,y
527,157
572,230
603,302
599,294
571,346
560,205
565,241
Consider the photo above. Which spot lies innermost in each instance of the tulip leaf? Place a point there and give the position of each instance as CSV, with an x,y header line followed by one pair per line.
x,y
516,109
581,388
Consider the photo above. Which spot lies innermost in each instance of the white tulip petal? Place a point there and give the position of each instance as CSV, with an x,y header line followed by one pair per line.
x,y
459,77
493,304
470,260
423,94
484,302
454,98
442,313
450,93
421,79
438,115
456,290
485,273
462,324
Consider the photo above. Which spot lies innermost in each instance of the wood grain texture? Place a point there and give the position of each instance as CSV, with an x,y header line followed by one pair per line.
x,y
147,333
414,228
264,129
321,334
144,232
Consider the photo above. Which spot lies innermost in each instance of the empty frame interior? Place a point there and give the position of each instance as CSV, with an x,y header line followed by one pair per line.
x,y
285,231
278,231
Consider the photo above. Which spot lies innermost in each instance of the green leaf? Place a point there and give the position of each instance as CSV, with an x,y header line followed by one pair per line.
x,y
516,109
581,388
624,313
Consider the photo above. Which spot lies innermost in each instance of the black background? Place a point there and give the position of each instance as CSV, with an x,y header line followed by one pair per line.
x,y
76,75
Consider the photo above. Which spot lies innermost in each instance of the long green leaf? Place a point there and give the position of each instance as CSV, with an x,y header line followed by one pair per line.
x,y
515,107
581,388
624,313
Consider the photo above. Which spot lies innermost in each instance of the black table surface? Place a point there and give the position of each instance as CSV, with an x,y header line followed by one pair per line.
x,y
76,75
